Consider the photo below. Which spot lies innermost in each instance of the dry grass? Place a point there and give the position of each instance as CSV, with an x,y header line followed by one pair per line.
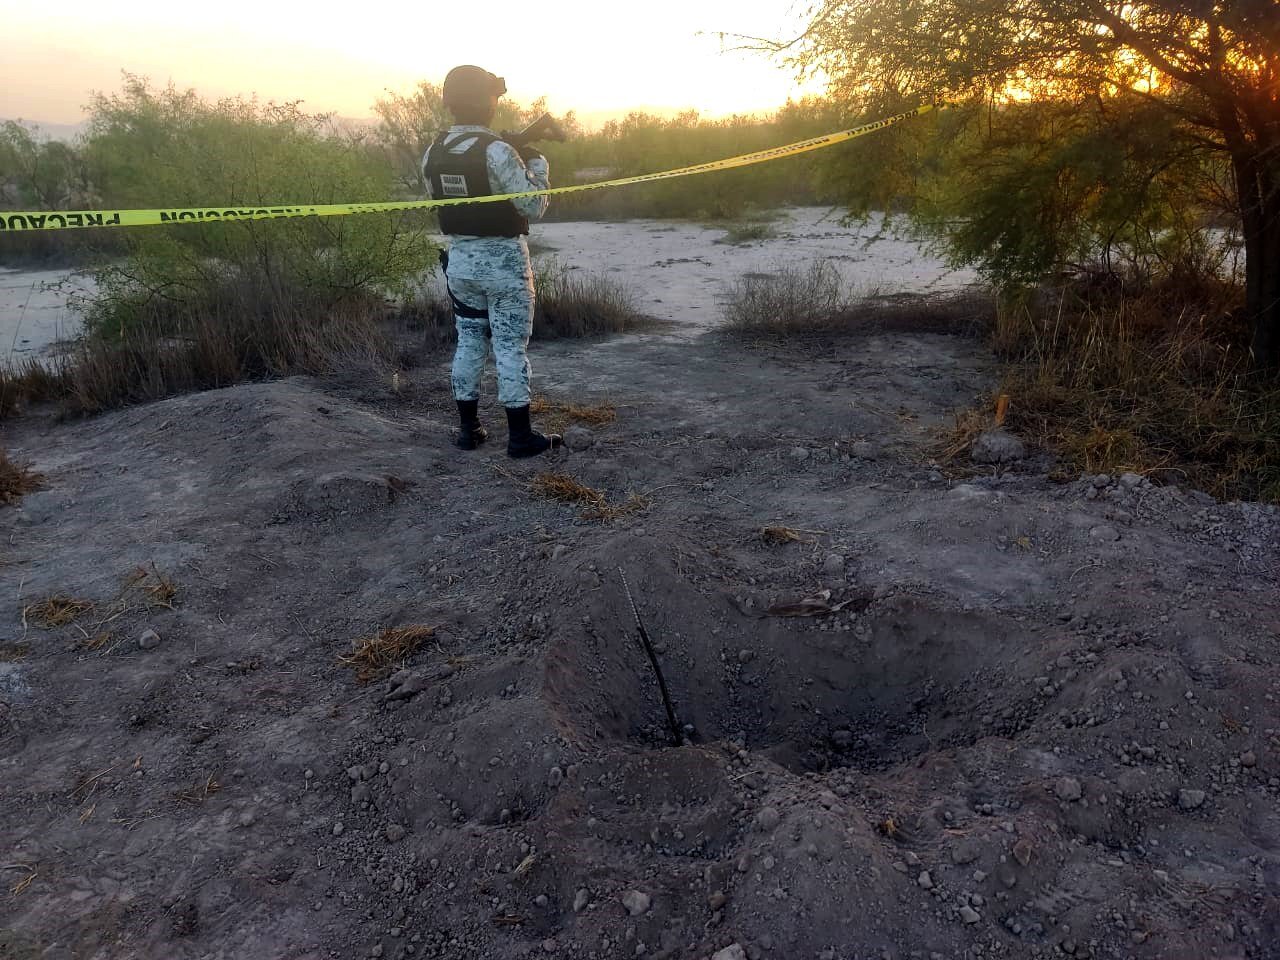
x,y
375,657
565,489
558,414
777,536
13,652
748,232
1127,386
56,611
815,301
166,356
957,440
202,791
158,590
635,503
102,640
16,481
571,304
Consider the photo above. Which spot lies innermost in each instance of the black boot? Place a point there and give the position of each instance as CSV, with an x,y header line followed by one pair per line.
x,y
470,433
522,439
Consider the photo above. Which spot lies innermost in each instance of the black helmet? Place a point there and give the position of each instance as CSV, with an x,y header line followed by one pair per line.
x,y
469,86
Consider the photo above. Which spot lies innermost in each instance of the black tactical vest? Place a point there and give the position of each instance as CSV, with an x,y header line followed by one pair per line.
x,y
466,174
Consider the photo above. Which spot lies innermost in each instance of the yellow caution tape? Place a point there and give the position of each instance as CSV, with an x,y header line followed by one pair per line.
x,y
78,219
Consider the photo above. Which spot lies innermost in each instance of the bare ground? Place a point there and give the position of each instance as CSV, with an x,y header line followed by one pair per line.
x,y
1045,724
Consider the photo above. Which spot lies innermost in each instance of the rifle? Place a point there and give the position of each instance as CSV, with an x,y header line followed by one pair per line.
x,y
546,127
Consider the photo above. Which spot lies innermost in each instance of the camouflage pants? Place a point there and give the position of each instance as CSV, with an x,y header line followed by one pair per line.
x,y
509,301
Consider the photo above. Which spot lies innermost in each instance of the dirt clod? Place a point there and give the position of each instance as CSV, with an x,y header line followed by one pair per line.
x,y
636,902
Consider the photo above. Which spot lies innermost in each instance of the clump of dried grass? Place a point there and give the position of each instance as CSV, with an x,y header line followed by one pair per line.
x,y
374,658
13,652
815,301
56,611
202,791
16,480
635,503
158,589
572,304
558,414
1135,385
777,536
957,440
165,355
565,489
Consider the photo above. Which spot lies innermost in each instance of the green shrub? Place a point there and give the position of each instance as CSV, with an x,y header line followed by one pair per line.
x,y
169,148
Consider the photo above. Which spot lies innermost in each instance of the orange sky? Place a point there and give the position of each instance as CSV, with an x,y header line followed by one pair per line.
x,y
600,59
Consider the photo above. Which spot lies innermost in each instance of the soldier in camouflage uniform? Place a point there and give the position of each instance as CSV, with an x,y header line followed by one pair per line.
x,y
487,267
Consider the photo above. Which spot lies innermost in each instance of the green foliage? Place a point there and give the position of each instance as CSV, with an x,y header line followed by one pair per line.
x,y
1036,190
170,148
42,174
38,173
1156,114
644,143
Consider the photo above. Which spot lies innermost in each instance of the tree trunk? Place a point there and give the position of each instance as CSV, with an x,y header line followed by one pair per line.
x,y
1259,186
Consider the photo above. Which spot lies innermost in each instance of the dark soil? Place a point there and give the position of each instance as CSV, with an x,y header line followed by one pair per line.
x,y
1045,721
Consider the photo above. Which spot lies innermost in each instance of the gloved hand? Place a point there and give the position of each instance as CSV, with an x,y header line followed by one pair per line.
x,y
527,151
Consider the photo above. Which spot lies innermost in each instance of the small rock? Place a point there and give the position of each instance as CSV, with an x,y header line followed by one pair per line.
x,y
969,915
997,446
1105,533
925,880
337,829
732,952
636,902
555,777
746,656
833,564
768,819
247,818
964,852
1068,789
1190,799
1248,759
799,454
843,739
1023,851
149,640
541,901
717,900
578,439
1130,480
395,832
581,899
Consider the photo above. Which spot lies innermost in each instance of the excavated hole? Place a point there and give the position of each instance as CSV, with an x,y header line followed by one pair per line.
x,y
908,680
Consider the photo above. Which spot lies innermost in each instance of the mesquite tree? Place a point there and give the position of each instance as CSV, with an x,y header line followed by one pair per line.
x,y
1211,65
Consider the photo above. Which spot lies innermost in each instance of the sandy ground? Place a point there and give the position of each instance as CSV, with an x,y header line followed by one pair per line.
x,y
678,271
1034,718
34,315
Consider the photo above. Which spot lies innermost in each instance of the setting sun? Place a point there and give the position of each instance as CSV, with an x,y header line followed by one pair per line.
x,y
664,56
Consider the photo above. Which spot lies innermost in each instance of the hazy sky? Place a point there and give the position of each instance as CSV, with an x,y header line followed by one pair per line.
x,y
598,57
